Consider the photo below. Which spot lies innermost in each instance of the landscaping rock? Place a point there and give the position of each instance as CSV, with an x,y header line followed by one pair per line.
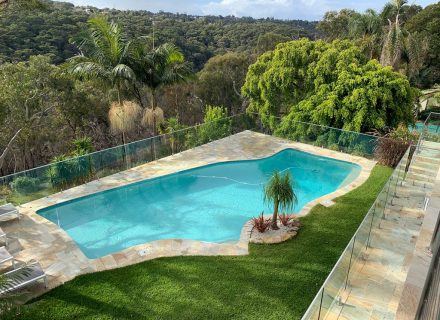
x,y
270,236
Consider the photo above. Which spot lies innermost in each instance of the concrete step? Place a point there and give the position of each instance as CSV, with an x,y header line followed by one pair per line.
x,y
426,185
432,171
423,159
420,177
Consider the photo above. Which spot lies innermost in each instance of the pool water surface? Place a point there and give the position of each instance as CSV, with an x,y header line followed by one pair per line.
x,y
209,203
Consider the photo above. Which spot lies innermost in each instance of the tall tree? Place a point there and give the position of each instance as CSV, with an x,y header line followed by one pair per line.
x,y
221,79
157,68
336,25
427,25
331,84
105,51
394,34
28,94
366,29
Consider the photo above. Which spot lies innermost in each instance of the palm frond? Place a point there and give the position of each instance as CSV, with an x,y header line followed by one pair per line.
x,y
123,71
280,188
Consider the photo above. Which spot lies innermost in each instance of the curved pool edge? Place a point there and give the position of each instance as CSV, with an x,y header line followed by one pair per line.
x,y
70,261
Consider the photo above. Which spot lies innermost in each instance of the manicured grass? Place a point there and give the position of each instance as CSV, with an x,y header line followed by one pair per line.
x,y
273,282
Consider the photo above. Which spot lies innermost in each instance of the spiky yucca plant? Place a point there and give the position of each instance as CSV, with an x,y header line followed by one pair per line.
x,y
279,190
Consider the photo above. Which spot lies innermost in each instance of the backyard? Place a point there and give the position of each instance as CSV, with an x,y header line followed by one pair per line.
x,y
272,282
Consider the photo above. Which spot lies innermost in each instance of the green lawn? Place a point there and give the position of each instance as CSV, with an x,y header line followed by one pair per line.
x,y
273,282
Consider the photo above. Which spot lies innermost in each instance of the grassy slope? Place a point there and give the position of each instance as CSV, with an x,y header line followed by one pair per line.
x,y
273,282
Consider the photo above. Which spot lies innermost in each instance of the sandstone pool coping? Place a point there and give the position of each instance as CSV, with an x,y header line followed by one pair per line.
x,y
36,238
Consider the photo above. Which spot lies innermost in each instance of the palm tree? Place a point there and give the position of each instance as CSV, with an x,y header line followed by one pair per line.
x,y
279,190
156,68
105,51
367,28
395,35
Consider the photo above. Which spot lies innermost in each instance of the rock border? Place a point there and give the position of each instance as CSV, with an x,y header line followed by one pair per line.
x,y
271,236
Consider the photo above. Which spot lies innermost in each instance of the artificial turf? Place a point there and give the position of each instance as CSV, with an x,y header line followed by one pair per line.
x,y
272,282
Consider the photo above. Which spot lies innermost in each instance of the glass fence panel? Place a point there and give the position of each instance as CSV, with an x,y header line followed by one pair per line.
x,y
431,128
346,271
43,181
140,152
336,281
331,138
362,236
313,312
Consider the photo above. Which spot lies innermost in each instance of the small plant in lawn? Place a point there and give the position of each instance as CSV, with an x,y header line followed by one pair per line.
x,y
285,218
279,190
260,223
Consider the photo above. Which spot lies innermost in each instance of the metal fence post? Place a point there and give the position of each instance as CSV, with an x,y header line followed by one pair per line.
x,y
320,304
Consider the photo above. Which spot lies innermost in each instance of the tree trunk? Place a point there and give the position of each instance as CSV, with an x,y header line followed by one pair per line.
x,y
274,225
118,89
8,147
153,106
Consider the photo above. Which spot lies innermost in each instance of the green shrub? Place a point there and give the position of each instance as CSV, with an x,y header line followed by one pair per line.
x,y
359,150
321,141
216,125
334,147
66,171
25,185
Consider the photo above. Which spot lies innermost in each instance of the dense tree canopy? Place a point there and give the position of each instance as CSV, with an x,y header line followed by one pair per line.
x,y
427,24
336,24
26,33
385,36
36,101
221,79
332,84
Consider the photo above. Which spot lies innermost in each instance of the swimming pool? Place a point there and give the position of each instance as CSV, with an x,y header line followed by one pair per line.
x,y
210,203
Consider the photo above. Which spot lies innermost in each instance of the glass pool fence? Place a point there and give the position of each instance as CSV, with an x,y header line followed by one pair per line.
x,y
43,181
330,297
430,129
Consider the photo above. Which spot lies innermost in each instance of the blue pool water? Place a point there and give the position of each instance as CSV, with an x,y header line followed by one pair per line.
x,y
210,203
432,128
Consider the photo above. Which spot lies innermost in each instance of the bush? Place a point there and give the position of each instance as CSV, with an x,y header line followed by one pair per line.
x,y
260,223
391,147
25,185
285,218
361,149
66,171
216,125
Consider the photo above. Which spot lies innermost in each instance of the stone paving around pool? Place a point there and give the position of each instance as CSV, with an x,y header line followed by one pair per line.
x,y
35,238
